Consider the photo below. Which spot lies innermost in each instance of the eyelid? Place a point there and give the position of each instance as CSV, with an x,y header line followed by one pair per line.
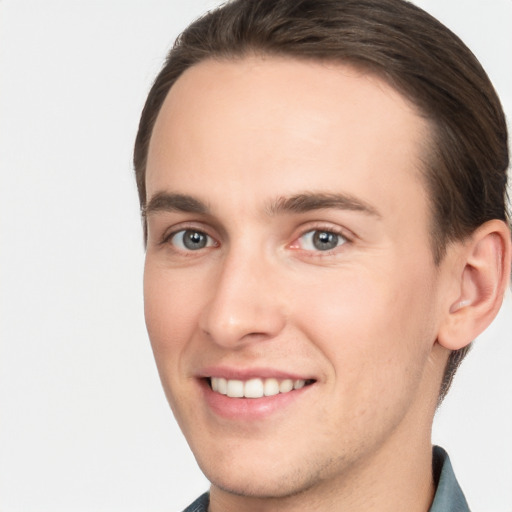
x,y
325,226
186,226
344,233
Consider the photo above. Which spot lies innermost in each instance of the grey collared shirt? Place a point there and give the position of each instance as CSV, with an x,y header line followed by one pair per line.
x,y
448,497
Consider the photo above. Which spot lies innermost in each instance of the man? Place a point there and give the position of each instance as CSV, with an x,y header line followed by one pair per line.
x,y
323,190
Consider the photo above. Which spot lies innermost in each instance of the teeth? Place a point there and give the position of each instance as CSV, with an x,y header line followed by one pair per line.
x,y
222,386
235,388
271,387
299,384
286,385
254,388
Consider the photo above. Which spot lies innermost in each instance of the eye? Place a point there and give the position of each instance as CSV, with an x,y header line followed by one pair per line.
x,y
191,240
320,240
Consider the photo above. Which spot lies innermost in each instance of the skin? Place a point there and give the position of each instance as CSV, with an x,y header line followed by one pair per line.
x,y
362,319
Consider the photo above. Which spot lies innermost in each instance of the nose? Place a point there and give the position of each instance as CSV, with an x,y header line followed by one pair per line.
x,y
246,303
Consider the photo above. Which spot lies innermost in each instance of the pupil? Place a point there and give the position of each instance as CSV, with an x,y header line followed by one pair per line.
x,y
323,240
194,240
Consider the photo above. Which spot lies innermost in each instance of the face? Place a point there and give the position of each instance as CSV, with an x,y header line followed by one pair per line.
x,y
291,297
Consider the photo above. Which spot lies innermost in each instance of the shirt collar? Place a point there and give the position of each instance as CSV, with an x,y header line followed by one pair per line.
x,y
449,496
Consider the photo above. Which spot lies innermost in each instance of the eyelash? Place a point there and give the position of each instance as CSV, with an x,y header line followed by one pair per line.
x,y
168,237
341,240
345,239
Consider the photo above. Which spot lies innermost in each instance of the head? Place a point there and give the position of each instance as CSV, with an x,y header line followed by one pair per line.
x,y
396,54
465,168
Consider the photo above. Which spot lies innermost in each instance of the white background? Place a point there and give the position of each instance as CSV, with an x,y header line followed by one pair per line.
x,y
84,425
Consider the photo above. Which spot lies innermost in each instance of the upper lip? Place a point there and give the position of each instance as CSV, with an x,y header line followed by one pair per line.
x,y
232,373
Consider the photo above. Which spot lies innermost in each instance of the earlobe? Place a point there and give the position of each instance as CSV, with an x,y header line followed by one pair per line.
x,y
481,286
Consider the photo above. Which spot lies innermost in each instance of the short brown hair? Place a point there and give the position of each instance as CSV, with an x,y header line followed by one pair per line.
x,y
466,167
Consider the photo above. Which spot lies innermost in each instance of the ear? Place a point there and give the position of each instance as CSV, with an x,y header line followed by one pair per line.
x,y
480,285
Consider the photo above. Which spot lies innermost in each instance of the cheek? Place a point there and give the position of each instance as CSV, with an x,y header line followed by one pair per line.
x,y
169,309
375,328
170,312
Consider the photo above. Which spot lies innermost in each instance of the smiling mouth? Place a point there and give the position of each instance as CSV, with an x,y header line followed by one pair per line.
x,y
255,388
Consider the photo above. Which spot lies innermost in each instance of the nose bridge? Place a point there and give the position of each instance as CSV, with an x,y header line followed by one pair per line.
x,y
244,305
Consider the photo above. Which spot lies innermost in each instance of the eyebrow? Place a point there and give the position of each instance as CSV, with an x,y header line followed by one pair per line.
x,y
302,203
166,202
298,203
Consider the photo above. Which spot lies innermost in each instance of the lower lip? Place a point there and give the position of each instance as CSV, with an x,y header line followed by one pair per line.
x,y
249,408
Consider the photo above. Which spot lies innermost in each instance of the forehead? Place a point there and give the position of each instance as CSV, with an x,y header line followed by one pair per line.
x,y
269,125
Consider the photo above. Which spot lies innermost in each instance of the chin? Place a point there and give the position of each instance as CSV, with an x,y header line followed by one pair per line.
x,y
258,486
265,479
